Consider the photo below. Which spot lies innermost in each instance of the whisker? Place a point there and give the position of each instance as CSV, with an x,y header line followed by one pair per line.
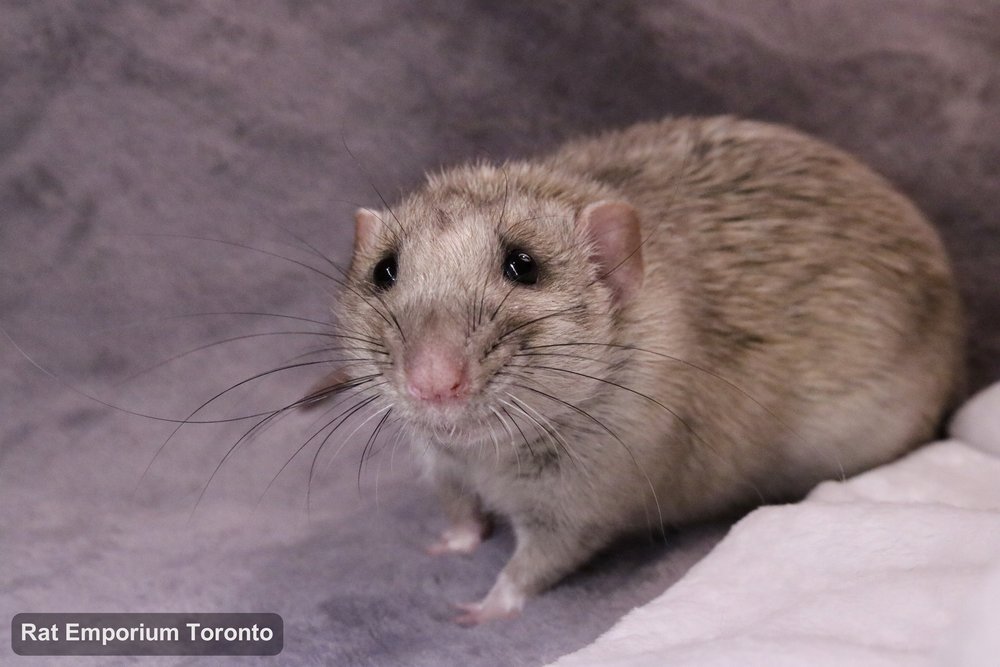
x,y
212,313
506,193
326,392
136,413
337,281
502,302
322,444
225,458
604,427
223,341
315,435
493,441
547,427
378,467
510,433
564,355
237,244
680,419
524,438
482,300
689,364
266,415
315,251
371,182
327,349
392,315
345,440
395,443
372,451
619,386
535,320
322,256
300,402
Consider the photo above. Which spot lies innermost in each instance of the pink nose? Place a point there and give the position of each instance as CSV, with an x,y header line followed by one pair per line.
x,y
436,373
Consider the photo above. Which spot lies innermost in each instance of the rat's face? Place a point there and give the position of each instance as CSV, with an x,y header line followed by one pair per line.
x,y
470,308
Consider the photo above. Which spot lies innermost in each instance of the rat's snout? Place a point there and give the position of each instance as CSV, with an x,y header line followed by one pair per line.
x,y
437,371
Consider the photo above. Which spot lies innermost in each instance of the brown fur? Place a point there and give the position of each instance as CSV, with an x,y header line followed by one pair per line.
x,y
797,321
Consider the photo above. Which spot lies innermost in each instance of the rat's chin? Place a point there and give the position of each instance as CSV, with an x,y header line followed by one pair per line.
x,y
455,421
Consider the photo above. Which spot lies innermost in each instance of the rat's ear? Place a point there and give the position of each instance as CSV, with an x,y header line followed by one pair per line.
x,y
613,228
324,389
366,221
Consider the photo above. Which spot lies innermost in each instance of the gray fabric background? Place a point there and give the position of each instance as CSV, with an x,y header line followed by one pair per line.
x,y
231,120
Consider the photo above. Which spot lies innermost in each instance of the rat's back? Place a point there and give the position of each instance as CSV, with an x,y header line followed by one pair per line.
x,y
808,282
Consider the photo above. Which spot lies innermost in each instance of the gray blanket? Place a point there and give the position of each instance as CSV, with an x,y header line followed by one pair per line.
x,y
131,132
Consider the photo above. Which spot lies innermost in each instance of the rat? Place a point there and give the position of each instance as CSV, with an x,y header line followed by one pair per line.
x,y
659,325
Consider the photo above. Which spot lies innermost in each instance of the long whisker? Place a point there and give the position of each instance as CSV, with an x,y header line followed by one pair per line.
x,y
326,439
210,313
315,251
300,402
524,438
371,182
225,457
223,341
482,300
136,413
684,422
619,386
493,441
535,320
564,355
236,244
315,435
345,439
496,310
266,415
337,281
326,349
614,435
679,360
372,451
510,433
547,427
378,467
343,272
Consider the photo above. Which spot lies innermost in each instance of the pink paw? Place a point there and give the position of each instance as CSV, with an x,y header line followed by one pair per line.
x,y
503,601
459,539
474,613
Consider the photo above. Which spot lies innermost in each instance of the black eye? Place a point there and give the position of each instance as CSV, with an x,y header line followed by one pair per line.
x,y
384,273
519,267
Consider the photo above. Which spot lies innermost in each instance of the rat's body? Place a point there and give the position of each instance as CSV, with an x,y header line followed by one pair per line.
x,y
786,318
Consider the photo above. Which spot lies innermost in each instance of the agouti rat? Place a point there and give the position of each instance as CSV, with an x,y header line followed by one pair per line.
x,y
655,326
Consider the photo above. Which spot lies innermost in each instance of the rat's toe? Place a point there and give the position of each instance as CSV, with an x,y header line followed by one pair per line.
x,y
458,539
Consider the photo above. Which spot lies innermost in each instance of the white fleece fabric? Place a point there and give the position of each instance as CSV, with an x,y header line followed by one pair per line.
x,y
897,566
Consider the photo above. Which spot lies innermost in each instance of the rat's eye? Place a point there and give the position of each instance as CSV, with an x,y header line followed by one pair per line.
x,y
519,267
384,273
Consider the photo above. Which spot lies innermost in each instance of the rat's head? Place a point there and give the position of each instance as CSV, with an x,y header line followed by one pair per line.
x,y
470,291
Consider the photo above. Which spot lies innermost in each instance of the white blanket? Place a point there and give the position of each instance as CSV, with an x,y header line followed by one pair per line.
x,y
898,566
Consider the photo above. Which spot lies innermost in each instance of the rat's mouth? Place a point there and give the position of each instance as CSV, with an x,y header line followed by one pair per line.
x,y
458,421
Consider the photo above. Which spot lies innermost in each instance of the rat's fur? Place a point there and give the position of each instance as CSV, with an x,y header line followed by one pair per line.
x,y
796,321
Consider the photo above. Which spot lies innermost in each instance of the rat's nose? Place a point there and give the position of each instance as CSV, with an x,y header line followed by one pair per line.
x,y
437,373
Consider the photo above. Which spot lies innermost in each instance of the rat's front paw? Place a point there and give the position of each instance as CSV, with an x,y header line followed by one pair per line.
x,y
461,538
503,601
474,613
